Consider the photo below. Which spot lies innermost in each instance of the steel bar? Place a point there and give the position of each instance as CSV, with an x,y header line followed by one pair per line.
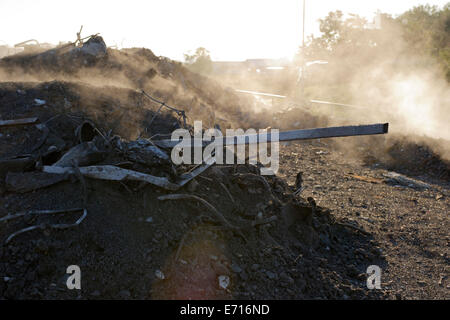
x,y
304,134
255,93
337,104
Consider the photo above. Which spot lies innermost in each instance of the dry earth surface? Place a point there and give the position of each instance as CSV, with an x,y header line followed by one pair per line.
x,y
262,242
410,226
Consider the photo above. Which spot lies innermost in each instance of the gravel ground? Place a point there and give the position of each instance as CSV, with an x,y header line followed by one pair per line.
x,y
411,226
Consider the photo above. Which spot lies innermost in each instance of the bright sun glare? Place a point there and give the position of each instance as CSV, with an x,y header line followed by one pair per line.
x,y
230,30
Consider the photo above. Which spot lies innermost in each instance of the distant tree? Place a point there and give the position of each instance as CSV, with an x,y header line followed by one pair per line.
x,y
199,61
341,35
331,27
422,32
347,43
426,30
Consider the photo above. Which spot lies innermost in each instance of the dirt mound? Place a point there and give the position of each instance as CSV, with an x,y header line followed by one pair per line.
x,y
131,242
414,156
127,112
137,69
417,158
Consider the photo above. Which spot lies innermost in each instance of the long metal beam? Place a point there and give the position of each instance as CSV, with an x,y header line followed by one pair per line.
x,y
338,104
304,134
255,93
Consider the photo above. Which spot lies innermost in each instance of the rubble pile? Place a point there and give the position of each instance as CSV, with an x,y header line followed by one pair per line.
x,y
82,184
133,70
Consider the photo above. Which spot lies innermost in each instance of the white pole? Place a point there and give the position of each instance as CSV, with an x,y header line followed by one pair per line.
x,y
302,79
303,29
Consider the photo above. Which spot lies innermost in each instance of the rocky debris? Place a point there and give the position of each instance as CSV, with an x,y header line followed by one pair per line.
x,y
160,275
224,281
95,46
39,102
399,179
144,152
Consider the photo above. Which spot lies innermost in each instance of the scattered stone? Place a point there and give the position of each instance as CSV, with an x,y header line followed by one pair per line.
x,y
421,283
224,281
236,268
160,275
39,102
271,275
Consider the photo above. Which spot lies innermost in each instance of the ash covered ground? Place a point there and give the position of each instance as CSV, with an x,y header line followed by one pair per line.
x,y
262,241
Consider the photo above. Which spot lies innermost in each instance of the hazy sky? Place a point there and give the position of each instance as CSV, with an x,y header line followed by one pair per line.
x,y
230,29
